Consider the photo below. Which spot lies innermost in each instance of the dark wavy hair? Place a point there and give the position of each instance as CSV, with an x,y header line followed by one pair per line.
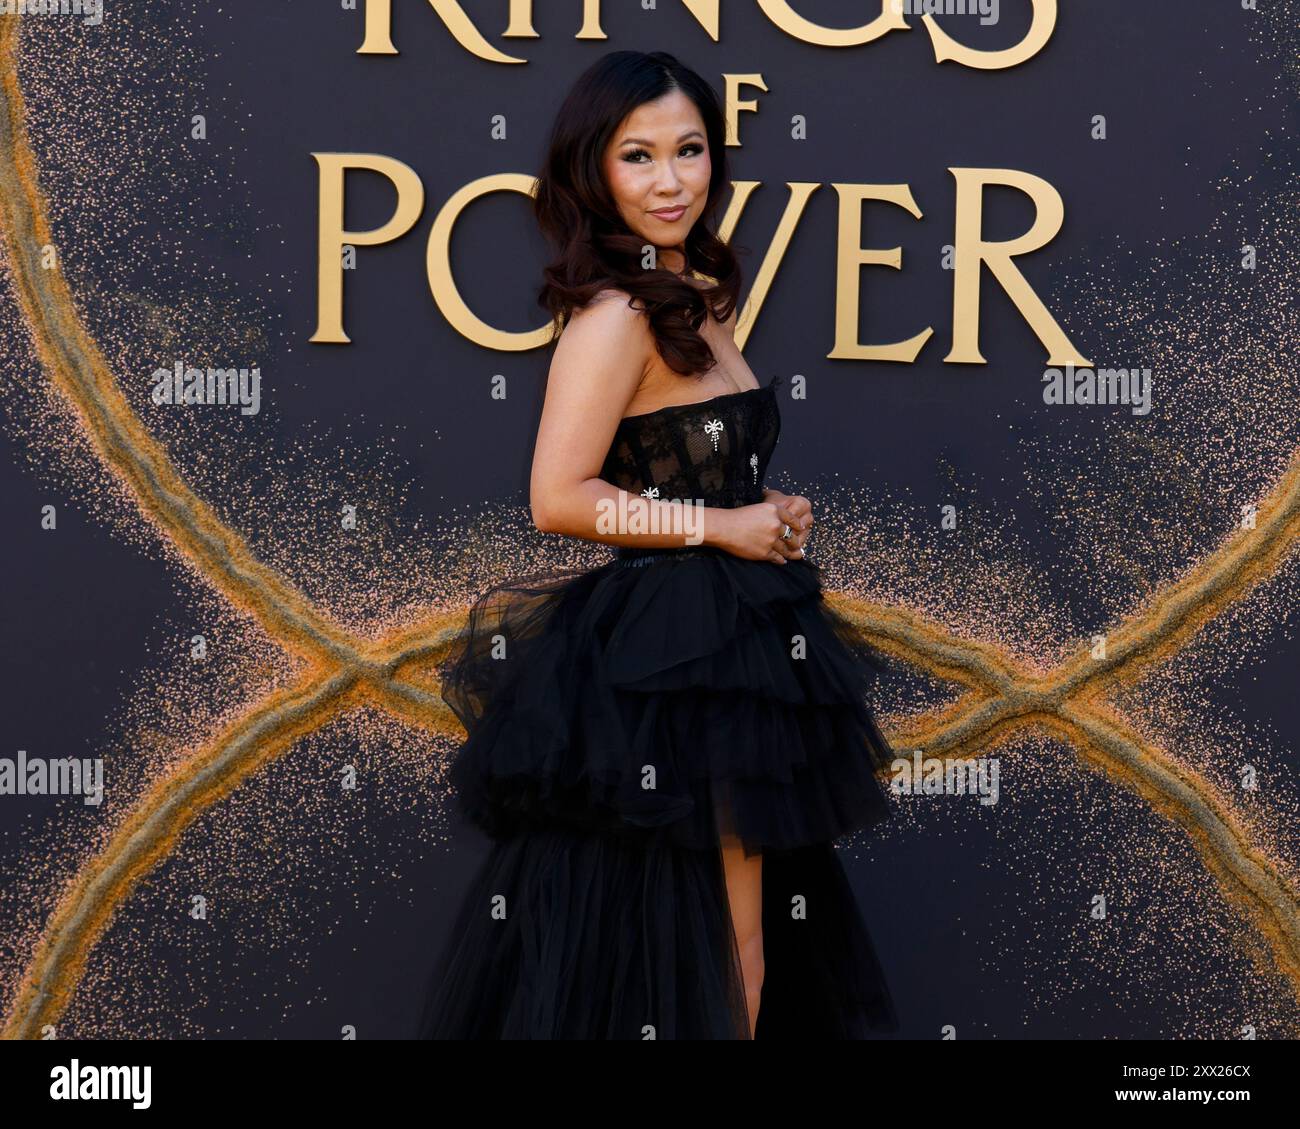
x,y
595,247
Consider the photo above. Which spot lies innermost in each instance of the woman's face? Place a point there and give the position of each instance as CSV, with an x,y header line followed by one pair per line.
x,y
657,166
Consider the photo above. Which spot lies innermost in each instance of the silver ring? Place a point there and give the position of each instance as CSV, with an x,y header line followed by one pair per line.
x,y
785,532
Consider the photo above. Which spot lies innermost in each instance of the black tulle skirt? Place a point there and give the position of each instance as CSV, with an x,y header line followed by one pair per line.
x,y
622,723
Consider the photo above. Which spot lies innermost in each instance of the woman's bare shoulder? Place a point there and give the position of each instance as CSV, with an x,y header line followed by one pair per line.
x,y
606,336
608,314
612,293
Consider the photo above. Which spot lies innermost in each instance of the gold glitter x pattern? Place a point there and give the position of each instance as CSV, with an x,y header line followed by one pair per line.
x,y
1003,696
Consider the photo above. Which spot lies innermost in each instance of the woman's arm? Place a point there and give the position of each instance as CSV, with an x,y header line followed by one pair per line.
x,y
595,371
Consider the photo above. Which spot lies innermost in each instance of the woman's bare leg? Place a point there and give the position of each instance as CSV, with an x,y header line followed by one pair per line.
x,y
745,893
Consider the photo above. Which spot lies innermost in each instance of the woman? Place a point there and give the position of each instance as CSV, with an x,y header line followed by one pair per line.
x,y
663,748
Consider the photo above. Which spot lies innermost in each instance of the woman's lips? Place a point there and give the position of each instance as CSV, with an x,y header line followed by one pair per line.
x,y
669,215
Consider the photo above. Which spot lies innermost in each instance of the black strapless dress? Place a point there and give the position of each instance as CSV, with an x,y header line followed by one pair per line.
x,y
620,720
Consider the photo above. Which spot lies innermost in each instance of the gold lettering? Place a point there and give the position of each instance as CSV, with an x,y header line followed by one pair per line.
x,y
379,31
891,18
733,83
972,250
521,19
851,256
1040,31
741,191
331,238
442,283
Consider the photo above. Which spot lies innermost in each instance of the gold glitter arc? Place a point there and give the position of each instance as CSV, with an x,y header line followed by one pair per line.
x,y
1004,696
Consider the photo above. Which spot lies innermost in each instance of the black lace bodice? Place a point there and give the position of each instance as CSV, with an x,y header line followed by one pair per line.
x,y
714,452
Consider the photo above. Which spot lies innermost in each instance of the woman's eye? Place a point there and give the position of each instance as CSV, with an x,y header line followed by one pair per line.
x,y
693,149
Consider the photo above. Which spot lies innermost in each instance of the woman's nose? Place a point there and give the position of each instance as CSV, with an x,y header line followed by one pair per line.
x,y
668,178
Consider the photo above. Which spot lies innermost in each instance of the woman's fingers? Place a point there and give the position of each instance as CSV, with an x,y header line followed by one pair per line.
x,y
786,515
789,547
802,509
808,523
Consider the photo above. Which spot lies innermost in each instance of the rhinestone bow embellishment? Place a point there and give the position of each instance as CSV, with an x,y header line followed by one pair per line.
x,y
713,429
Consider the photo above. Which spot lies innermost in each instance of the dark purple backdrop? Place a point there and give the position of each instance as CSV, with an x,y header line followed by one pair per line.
x,y
1175,81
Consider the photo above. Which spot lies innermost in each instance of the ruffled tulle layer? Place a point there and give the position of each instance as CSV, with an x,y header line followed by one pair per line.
x,y
621,723
576,935
668,698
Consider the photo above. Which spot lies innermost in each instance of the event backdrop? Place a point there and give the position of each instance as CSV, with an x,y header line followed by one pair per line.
x,y
228,614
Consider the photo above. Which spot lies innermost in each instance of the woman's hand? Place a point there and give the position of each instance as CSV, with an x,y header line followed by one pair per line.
x,y
798,505
753,533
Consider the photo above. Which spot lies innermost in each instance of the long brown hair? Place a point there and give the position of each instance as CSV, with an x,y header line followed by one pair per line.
x,y
595,247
